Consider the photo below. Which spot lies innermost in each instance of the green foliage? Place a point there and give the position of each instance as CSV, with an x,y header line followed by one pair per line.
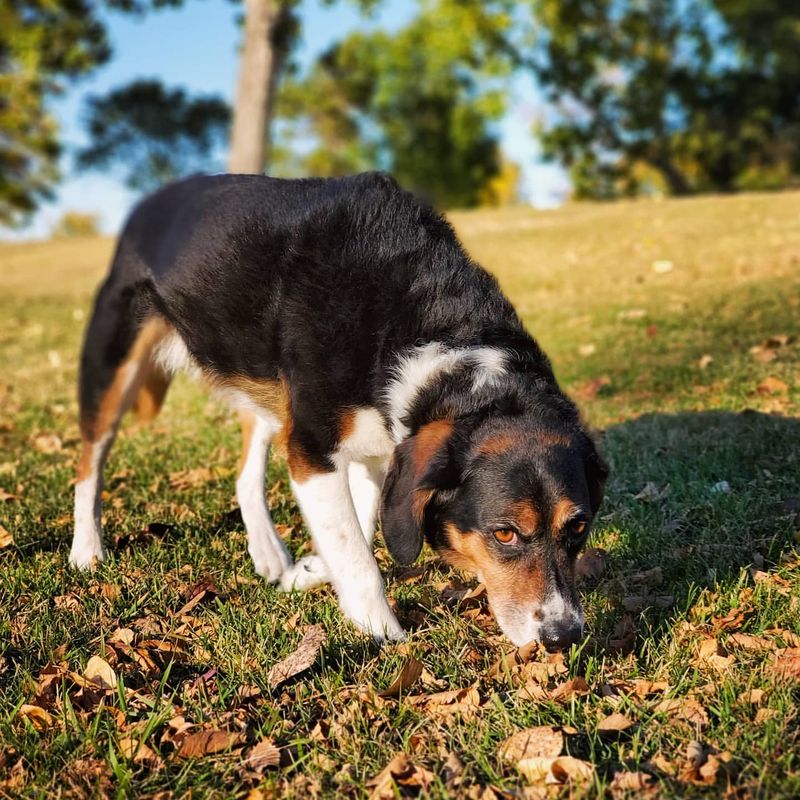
x,y
154,134
681,95
75,224
43,45
419,102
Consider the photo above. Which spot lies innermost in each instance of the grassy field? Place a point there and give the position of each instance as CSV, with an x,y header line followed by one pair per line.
x,y
673,324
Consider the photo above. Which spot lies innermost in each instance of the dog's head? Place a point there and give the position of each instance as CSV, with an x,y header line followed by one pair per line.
x,y
511,500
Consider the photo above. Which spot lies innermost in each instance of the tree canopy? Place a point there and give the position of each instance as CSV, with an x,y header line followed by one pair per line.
x,y
673,95
153,135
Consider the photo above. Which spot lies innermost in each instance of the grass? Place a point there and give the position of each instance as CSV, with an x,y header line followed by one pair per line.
x,y
629,300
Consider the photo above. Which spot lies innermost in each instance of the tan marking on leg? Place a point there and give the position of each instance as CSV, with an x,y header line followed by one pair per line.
x,y
247,422
347,423
525,515
563,511
151,394
120,391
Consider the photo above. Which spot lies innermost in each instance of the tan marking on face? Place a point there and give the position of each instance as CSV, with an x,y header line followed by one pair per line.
x,y
526,516
507,583
119,391
427,442
553,439
497,445
563,510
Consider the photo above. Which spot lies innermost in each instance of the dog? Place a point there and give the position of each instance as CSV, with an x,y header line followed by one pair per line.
x,y
345,322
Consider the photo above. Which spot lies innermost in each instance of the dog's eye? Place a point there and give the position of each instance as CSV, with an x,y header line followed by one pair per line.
x,y
577,528
505,536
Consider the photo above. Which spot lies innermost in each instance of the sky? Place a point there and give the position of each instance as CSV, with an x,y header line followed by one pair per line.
x,y
196,47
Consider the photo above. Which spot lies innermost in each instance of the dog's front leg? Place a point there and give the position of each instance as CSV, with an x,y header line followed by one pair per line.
x,y
327,506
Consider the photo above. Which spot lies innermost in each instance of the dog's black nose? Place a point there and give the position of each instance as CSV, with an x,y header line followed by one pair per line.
x,y
561,636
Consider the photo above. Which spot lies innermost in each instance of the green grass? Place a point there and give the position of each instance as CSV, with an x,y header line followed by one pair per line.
x,y
626,340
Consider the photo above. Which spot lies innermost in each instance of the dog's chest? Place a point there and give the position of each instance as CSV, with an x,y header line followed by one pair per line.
x,y
366,436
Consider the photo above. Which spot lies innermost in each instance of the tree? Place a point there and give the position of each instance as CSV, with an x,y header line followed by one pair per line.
x,y
420,102
154,134
43,47
683,95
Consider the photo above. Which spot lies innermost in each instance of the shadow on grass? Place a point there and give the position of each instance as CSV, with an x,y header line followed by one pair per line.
x,y
695,498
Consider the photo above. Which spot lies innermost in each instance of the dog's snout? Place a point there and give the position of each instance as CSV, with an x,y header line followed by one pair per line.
x,y
561,635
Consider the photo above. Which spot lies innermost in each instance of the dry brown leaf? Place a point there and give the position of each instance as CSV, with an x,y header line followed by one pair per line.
x,y
649,577
544,741
753,696
508,661
37,716
464,701
614,725
772,386
136,751
577,687
711,652
786,663
638,603
187,478
407,677
263,756
623,782
748,642
203,743
567,769
401,776
763,714
592,564
99,672
6,539
47,443
123,636
301,659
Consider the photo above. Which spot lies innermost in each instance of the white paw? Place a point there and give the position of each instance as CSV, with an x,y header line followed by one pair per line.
x,y
85,555
307,573
270,560
374,617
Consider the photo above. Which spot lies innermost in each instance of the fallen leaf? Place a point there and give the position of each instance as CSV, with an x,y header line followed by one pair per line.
x,y
650,493
6,539
577,687
705,361
587,350
754,696
263,756
99,672
638,603
37,716
614,725
136,751
400,777
662,266
407,677
452,769
649,577
203,743
772,386
301,659
592,564
47,443
764,714
748,642
187,478
786,663
623,782
544,741
695,754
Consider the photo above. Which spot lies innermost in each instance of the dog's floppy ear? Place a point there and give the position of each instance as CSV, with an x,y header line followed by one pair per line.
x,y
421,465
596,476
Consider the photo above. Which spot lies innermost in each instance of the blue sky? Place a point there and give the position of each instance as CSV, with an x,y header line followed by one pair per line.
x,y
195,47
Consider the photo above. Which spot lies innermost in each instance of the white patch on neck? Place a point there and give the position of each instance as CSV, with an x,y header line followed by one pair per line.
x,y
419,366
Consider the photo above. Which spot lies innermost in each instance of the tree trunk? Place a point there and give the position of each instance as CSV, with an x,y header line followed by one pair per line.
x,y
258,78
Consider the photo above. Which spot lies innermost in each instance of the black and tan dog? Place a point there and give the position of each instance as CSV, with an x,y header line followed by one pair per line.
x,y
344,321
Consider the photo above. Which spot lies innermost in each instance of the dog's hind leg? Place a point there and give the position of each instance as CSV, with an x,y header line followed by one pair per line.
x,y
270,556
114,365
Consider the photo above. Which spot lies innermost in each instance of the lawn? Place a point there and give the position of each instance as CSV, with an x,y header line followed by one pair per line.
x,y
674,324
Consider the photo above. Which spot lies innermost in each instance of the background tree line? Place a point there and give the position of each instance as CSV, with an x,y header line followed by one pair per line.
x,y
645,96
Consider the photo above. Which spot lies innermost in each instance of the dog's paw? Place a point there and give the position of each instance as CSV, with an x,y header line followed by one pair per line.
x,y
307,573
271,559
86,555
375,618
